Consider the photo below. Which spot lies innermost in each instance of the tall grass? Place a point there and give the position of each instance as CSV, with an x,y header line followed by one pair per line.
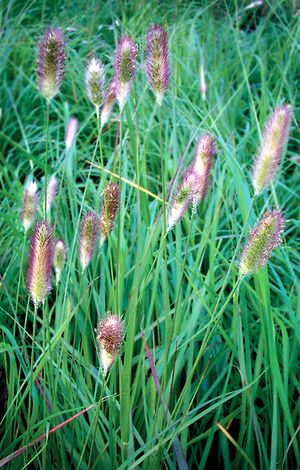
x,y
226,353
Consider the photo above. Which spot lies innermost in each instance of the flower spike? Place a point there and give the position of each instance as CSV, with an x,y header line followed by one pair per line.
x,y
51,191
205,152
40,262
110,336
51,62
157,61
274,139
109,102
60,254
71,132
124,68
95,78
262,240
89,231
30,202
109,210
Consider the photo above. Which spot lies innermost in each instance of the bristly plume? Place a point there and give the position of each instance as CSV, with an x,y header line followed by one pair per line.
x,y
124,68
262,240
204,154
95,79
274,139
71,132
110,336
40,262
51,191
30,202
60,255
51,62
89,231
203,86
109,102
157,61
109,210
183,197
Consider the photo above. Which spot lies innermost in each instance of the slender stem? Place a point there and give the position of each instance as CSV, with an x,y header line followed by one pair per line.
x,y
46,159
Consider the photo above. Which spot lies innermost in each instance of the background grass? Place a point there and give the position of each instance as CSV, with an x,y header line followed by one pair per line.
x,y
228,364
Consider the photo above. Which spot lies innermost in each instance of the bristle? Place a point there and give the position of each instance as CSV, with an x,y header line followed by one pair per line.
x,y
89,231
124,69
51,62
40,262
110,336
274,139
262,240
157,61
109,209
30,202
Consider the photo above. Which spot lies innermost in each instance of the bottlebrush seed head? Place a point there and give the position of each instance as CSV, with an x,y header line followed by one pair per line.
x,y
184,195
109,209
89,231
157,61
262,240
71,133
40,262
205,152
60,254
95,79
124,68
203,86
109,102
274,139
30,202
51,191
51,62
110,336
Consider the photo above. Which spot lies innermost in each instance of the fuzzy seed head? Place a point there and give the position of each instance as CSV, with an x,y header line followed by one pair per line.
x,y
157,61
51,62
183,197
205,152
109,209
40,262
71,133
274,139
124,68
60,254
95,79
109,102
203,86
51,191
30,202
262,240
89,231
110,336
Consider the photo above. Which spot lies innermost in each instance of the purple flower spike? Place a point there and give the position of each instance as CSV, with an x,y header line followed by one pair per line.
x,y
109,210
95,78
205,152
30,202
274,139
51,62
183,197
110,336
262,240
71,133
124,68
89,231
157,61
40,262
60,254
109,102
51,191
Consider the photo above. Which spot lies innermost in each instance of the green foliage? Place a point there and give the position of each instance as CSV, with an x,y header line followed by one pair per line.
x,y
226,353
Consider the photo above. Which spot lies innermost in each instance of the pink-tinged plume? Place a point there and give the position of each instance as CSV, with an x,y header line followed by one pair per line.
x,y
89,231
110,336
51,62
51,191
109,102
71,132
40,262
274,139
95,79
204,155
109,210
157,61
262,240
203,86
60,254
124,69
30,202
